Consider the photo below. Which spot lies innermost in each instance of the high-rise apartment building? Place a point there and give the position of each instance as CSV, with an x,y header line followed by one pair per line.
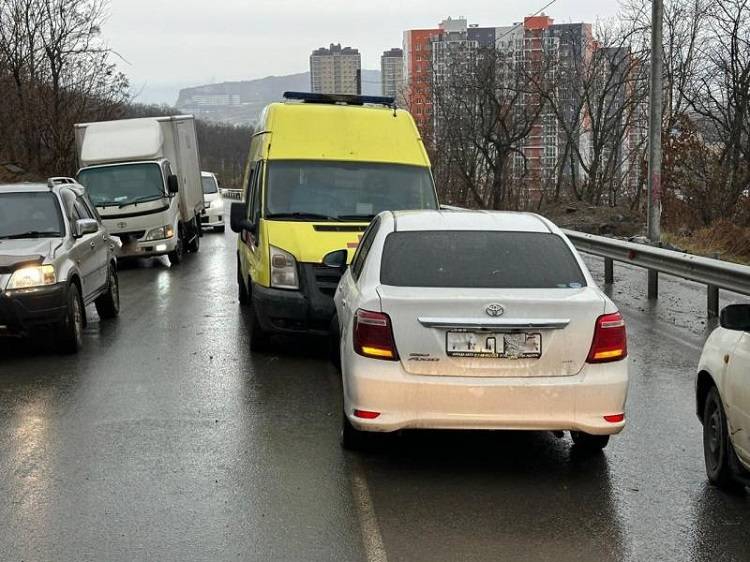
x,y
392,73
336,70
427,55
553,51
418,76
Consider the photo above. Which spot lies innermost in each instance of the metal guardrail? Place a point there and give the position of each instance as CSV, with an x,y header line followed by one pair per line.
x,y
235,194
716,274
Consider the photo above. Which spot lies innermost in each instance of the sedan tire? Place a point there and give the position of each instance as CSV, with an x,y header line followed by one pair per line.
x,y
589,443
718,451
352,439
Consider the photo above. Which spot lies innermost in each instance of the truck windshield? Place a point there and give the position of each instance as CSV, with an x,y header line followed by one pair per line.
x,y
209,185
123,184
353,191
30,215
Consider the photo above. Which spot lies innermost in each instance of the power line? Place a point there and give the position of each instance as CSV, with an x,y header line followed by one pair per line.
x,y
519,24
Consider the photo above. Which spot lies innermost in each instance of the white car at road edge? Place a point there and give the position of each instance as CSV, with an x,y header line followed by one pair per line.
x,y
213,215
476,320
723,399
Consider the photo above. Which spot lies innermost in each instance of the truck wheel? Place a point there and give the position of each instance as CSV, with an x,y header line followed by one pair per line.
x,y
108,305
195,244
718,451
70,330
176,255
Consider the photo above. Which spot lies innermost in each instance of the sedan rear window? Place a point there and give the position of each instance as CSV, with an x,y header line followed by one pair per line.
x,y
479,259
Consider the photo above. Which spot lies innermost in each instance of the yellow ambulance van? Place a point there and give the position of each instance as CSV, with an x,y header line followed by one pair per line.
x,y
320,168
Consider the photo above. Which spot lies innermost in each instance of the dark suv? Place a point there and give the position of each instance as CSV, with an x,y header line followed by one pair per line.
x,y
55,258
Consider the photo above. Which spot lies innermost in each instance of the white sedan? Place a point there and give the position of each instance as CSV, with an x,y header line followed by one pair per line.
x,y
213,215
723,399
476,320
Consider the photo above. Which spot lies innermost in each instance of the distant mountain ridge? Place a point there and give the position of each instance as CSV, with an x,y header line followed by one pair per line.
x,y
240,103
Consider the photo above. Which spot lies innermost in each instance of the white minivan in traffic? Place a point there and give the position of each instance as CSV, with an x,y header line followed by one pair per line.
x,y
213,215
476,320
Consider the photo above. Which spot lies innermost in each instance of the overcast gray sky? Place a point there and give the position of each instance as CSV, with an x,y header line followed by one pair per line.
x,y
170,44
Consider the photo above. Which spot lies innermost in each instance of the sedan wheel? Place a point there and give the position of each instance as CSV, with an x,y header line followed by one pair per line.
x,y
588,443
718,452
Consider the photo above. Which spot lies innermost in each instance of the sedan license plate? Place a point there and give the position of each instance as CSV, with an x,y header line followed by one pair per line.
x,y
493,345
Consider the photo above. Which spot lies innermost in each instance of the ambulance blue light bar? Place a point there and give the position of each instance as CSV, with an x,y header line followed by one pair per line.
x,y
309,97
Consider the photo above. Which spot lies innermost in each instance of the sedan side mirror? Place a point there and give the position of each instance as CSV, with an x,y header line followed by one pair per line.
x,y
736,317
238,219
336,259
173,184
85,226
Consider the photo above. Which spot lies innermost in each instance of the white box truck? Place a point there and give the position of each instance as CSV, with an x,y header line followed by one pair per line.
x,y
144,177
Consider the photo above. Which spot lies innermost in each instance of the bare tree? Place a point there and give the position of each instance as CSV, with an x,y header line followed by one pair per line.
x,y
598,101
61,72
487,103
721,98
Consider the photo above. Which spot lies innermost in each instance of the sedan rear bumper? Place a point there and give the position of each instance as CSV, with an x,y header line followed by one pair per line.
x,y
577,403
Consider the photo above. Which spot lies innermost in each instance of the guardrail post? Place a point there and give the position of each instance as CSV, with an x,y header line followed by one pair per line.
x,y
713,301
653,284
609,271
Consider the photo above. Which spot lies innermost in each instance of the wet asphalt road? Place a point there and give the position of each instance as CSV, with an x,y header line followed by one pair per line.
x,y
166,439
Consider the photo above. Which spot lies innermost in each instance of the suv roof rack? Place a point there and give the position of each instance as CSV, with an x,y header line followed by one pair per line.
x,y
346,99
57,180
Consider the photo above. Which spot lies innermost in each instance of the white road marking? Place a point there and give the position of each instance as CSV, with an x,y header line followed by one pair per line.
x,y
368,521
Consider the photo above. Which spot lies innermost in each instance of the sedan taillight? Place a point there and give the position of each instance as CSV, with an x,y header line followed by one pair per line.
x,y
373,336
610,340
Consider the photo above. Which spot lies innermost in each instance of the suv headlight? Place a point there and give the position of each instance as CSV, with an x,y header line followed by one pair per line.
x,y
34,276
283,269
160,233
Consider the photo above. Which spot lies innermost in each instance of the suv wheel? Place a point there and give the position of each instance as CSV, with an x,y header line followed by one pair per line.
x,y
108,305
70,330
718,451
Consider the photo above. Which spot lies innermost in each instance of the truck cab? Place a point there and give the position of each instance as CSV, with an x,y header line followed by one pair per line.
x,y
143,176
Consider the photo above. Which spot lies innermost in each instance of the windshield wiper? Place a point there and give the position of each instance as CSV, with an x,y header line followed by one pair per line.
x,y
301,216
31,234
141,200
363,218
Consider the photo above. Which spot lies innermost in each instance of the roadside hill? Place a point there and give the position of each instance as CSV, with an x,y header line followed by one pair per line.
x,y
240,103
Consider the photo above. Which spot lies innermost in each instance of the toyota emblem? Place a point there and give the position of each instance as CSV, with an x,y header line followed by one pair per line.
x,y
122,224
494,310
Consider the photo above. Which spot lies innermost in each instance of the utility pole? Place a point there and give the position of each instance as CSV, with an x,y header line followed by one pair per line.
x,y
654,137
